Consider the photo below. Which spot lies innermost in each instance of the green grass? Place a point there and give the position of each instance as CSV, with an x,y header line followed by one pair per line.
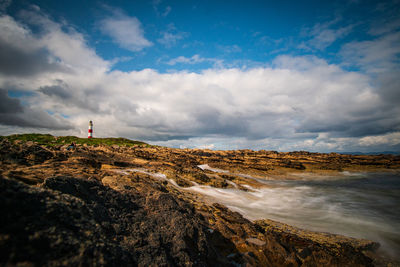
x,y
49,140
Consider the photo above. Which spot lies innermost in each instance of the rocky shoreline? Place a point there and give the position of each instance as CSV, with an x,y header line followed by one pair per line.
x,y
83,207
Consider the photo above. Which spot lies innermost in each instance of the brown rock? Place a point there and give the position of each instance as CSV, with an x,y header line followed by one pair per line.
x,y
91,206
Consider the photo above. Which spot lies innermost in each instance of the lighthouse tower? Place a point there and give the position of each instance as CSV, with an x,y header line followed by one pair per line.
x,y
90,131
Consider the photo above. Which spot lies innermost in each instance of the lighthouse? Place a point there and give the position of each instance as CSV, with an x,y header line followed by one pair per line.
x,y
90,131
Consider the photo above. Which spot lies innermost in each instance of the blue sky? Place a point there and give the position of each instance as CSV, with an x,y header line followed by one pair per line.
x,y
281,75
241,34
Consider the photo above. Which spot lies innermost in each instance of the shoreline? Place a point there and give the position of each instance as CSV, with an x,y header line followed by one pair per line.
x,y
208,195
159,187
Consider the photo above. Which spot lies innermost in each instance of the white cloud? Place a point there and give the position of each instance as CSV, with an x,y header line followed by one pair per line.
x,y
322,35
195,59
387,26
126,31
67,47
391,138
41,59
230,48
379,57
327,37
206,146
376,56
171,36
156,5
170,39
300,103
15,34
166,12
181,59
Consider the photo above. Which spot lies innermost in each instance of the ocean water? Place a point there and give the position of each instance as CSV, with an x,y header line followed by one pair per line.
x,y
361,205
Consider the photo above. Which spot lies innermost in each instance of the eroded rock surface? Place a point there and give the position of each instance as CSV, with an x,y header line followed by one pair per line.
x,y
68,221
119,206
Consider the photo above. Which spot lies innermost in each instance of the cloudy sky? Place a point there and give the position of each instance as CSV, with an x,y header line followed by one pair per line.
x,y
277,75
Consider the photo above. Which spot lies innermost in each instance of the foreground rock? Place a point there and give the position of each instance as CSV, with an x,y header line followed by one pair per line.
x,y
118,206
68,221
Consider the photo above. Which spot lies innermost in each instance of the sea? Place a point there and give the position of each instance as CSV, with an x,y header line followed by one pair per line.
x,y
360,205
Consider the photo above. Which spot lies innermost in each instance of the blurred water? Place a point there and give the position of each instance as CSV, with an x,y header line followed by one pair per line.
x,y
357,205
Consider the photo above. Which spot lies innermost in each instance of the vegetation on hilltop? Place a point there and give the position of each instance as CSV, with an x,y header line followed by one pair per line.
x,y
50,140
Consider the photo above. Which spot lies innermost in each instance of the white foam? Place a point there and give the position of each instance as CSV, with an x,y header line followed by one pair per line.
x,y
174,183
231,183
124,172
157,175
206,167
356,174
248,186
300,204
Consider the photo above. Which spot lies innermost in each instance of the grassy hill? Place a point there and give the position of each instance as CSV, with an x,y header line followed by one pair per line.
x,y
50,140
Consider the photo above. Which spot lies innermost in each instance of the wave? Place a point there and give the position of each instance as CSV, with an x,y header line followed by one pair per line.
x,y
361,208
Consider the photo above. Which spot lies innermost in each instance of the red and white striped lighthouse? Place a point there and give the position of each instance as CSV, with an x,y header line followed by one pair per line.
x,y
90,131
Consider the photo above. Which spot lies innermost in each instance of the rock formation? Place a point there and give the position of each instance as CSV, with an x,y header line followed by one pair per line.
x,y
116,205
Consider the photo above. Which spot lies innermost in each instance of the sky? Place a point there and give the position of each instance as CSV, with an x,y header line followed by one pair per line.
x,y
319,76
